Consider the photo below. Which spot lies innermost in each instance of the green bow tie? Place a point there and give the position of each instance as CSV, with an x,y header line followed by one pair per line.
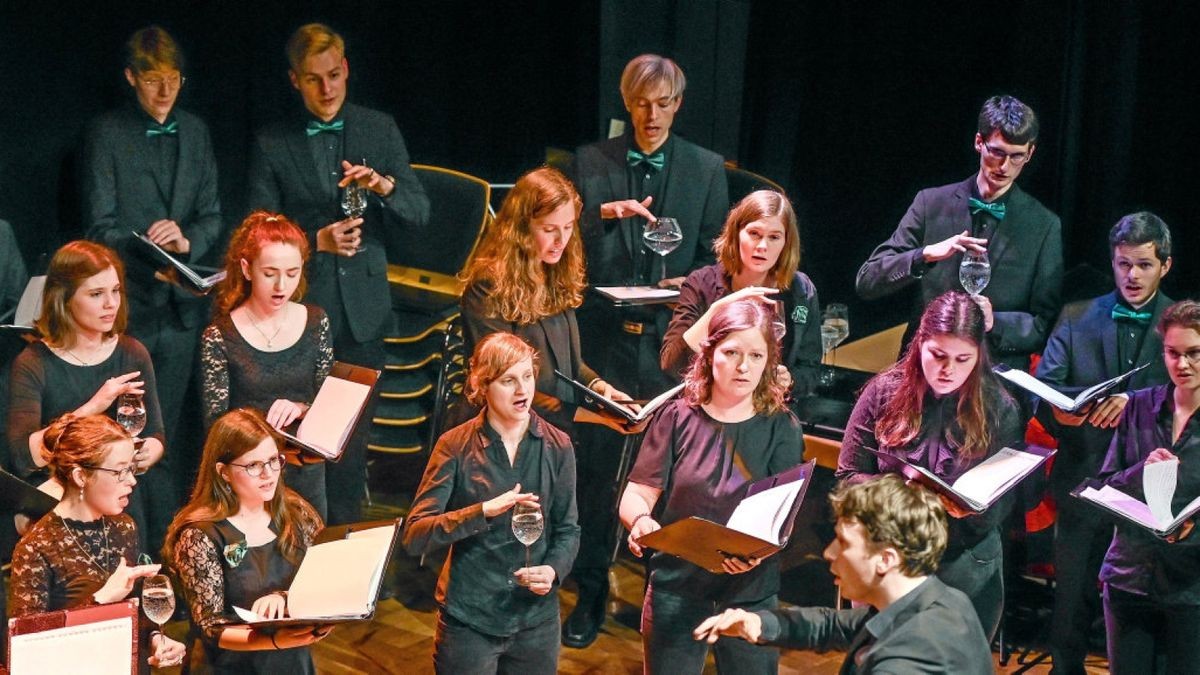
x,y
997,209
656,161
170,129
1123,313
314,127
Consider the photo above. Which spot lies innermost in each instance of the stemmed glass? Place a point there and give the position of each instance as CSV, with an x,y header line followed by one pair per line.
x,y
131,415
835,327
527,525
975,271
158,599
354,203
662,236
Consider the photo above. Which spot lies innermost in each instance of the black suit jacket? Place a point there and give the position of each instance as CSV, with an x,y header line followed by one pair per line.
x,y
284,178
695,193
1025,251
933,629
1082,351
122,192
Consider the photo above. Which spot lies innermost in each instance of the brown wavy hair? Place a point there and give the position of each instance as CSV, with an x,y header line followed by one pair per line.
x,y
72,442
73,264
906,517
956,314
523,289
756,206
256,232
234,434
734,317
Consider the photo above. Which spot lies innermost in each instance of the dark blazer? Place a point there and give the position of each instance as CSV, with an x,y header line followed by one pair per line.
x,y
284,178
13,276
933,629
1025,251
695,193
122,192
555,338
1082,351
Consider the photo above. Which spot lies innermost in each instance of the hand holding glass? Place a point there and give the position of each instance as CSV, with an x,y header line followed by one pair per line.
x,y
354,203
662,236
835,328
527,524
131,413
158,599
975,271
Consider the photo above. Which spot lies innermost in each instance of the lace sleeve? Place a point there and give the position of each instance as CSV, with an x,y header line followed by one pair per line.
x,y
214,367
203,581
30,583
324,351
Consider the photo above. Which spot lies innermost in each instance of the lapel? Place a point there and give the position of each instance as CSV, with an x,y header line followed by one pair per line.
x,y
849,666
296,140
1108,336
618,185
1151,349
135,138
961,214
355,139
185,161
1003,233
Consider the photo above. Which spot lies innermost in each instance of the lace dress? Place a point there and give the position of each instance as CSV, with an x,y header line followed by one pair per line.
x,y
238,375
215,578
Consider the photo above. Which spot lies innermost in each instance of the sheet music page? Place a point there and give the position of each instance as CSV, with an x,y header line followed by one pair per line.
x,y
762,515
983,482
328,422
338,578
30,304
100,648
633,293
1158,484
656,402
1119,501
1038,388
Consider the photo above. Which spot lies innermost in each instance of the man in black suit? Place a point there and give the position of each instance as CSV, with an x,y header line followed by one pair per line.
x,y
149,167
1096,340
889,538
984,213
298,166
624,183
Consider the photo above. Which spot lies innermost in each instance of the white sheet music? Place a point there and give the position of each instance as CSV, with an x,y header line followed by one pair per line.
x,y
762,515
1158,484
994,474
100,648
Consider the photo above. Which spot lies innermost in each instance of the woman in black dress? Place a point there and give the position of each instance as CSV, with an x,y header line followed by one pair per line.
x,y
730,427
239,542
941,407
758,255
264,350
84,551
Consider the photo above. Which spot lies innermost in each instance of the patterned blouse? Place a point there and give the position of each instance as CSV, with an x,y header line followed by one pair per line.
x,y
60,563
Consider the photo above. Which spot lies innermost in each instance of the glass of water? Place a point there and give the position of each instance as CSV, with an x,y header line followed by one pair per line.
x,y
662,236
158,599
354,203
131,413
975,271
835,328
527,525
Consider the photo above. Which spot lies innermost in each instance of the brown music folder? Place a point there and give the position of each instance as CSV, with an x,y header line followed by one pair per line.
x,y
99,640
335,412
759,527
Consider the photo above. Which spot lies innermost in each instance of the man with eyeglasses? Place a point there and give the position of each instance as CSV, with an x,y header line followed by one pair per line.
x,y
299,165
149,168
984,213
1093,341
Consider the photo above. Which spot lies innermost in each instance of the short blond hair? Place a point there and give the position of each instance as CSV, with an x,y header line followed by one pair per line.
x,y
493,355
312,38
649,70
152,48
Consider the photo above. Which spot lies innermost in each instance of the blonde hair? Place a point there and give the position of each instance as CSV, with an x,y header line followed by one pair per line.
x,y
310,39
525,290
756,206
649,70
495,353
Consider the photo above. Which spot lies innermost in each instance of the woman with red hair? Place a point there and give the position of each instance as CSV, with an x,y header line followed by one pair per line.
x,y
264,349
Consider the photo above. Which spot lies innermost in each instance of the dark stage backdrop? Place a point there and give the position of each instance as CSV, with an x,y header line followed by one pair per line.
x,y
852,106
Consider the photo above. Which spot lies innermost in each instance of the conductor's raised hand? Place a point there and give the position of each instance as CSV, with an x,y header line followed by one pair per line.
x,y
501,503
625,208
959,243
731,622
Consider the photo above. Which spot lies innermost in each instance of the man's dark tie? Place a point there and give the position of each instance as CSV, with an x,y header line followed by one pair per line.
x,y
314,127
1123,313
997,209
655,161
170,129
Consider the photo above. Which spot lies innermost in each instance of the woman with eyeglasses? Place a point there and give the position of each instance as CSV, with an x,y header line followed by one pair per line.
x,y
238,542
81,365
264,349
84,551
758,256
1151,586
941,407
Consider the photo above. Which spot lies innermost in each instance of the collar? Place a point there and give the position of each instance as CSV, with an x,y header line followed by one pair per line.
x,y
489,436
148,121
882,623
1002,199
1147,306
665,148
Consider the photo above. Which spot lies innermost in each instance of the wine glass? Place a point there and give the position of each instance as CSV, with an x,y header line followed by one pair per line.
x,y
662,236
835,328
527,524
131,413
354,203
975,271
158,599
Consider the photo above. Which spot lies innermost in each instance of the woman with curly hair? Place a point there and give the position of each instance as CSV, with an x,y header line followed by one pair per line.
x,y
941,407
264,349
238,542
730,427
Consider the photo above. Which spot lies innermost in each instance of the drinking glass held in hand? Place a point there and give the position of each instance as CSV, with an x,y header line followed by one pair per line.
x,y
527,525
158,599
662,236
975,271
354,203
835,328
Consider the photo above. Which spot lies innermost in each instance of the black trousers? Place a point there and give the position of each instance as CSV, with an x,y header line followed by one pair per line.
x,y
346,480
1147,636
459,648
1081,537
